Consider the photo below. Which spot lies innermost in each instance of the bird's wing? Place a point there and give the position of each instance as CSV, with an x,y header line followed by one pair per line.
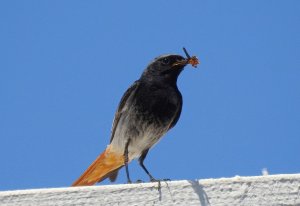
x,y
130,91
177,115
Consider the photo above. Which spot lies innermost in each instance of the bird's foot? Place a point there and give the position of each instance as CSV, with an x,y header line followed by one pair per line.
x,y
139,181
159,180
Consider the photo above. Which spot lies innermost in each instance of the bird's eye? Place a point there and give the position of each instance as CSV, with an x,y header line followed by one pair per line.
x,y
165,61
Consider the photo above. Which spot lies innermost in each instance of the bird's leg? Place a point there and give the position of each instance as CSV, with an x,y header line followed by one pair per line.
x,y
126,160
152,179
141,161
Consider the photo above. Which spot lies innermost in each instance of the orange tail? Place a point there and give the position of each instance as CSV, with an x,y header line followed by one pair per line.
x,y
106,165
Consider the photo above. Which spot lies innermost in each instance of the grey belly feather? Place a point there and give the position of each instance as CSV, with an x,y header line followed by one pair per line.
x,y
142,129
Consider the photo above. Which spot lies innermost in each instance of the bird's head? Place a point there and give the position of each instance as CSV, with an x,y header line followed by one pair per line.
x,y
168,67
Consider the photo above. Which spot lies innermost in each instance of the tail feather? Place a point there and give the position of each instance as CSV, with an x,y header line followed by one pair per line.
x,y
113,175
106,165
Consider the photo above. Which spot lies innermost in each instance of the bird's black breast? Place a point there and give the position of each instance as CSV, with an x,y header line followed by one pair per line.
x,y
158,104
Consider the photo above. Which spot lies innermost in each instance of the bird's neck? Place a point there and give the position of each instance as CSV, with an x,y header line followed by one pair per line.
x,y
168,79
159,80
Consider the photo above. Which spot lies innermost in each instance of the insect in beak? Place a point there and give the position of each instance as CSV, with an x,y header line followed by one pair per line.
x,y
194,61
189,60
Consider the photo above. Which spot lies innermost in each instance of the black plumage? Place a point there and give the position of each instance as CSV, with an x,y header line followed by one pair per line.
x,y
147,110
153,104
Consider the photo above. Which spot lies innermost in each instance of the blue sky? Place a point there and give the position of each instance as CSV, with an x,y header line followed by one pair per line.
x,y
65,65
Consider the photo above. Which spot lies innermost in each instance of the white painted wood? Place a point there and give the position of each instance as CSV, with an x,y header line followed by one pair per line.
x,y
260,190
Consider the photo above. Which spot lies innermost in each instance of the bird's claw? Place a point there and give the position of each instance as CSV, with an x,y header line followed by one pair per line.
x,y
159,180
139,181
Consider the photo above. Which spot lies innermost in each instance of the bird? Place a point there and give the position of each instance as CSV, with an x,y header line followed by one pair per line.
x,y
149,108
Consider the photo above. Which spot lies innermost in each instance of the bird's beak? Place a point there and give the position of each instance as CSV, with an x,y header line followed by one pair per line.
x,y
180,63
190,60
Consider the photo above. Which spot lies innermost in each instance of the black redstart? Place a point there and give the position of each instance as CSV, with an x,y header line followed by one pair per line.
x,y
147,110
